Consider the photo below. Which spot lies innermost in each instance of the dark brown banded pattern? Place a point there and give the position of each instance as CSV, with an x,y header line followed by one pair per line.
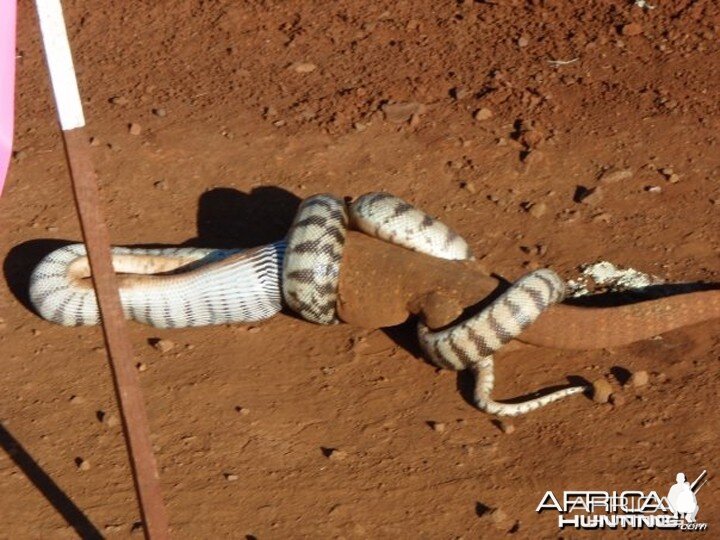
x,y
311,270
472,343
392,219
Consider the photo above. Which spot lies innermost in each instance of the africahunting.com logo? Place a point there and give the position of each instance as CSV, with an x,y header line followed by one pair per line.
x,y
632,509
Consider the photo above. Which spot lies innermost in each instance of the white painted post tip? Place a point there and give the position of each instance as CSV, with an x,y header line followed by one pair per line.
x,y
60,64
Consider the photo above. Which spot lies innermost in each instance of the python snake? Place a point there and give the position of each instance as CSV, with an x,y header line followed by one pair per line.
x,y
181,287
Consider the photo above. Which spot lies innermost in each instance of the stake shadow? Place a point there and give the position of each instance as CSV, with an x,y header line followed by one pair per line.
x,y
47,486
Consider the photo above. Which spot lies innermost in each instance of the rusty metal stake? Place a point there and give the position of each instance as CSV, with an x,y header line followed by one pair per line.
x,y
97,240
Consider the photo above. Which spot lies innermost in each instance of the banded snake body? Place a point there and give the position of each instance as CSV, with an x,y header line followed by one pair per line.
x,y
182,287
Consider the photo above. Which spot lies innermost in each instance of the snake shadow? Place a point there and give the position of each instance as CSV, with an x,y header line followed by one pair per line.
x,y
226,218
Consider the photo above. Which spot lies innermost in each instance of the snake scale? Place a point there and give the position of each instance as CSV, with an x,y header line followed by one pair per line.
x,y
181,287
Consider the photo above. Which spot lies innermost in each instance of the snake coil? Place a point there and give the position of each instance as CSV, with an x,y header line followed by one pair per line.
x,y
181,287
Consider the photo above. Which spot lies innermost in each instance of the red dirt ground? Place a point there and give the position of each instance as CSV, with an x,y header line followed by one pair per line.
x,y
244,108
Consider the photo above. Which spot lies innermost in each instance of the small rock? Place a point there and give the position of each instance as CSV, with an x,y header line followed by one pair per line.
x,y
82,464
399,113
337,455
537,210
506,427
135,129
19,155
612,176
162,345
590,196
459,92
531,158
160,184
483,114
601,391
602,216
673,178
632,29
532,138
77,400
523,41
230,477
141,366
111,420
639,379
94,141
653,189
499,518
414,120
162,113
303,67
119,100
438,426
242,410
468,186
618,400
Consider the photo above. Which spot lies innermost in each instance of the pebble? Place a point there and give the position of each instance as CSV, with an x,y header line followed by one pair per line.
x,y
632,29
653,189
469,187
499,518
438,426
19,155
399,113
337,455
483,114
670,175
618,400
82,464
77,400
537,210
639,379
162,113
230,477
303,67
111,420
135,129
119,100
602,390
506,427
523,41
141,366
242,410
590,196
602,216
163,345
94,141
612,176
160,184
459,92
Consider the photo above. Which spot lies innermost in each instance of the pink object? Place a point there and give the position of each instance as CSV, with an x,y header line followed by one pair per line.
x,y
7,83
